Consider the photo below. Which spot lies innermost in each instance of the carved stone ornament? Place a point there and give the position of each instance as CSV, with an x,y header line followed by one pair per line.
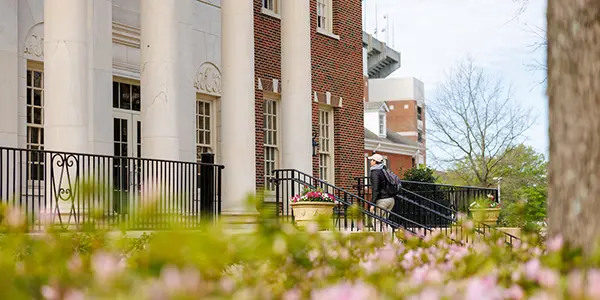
x,y
34,41
208,79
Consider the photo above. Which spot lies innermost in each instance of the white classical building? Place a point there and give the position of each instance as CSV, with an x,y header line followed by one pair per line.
x,y
74,73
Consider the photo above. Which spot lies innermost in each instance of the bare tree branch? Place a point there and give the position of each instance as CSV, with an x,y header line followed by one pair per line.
x,y
474,120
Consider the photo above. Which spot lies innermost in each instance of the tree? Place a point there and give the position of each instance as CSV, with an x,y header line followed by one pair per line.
x,y
574,100
475,123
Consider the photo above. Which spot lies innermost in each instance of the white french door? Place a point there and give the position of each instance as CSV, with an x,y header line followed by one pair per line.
x,y
127,129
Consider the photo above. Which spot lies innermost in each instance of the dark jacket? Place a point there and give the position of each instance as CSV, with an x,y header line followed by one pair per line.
x,y
378,185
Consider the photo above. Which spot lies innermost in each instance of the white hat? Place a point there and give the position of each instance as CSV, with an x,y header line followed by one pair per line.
x,y
376,157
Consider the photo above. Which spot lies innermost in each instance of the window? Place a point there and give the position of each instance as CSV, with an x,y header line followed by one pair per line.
x,y
35,124
420,136
271,6
326,145
126,96
381,124
419,113
271,149
413,163
204,128
324,15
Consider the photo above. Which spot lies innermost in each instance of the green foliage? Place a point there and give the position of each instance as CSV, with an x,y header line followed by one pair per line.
x,y
523,186
420,174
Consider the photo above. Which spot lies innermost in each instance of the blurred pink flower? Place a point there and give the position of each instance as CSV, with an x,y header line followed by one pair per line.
x,y
74,295
346,291
293,294
575,284
515,292
555,244
593,284
532,268
49,292
105,266
426,294
548,278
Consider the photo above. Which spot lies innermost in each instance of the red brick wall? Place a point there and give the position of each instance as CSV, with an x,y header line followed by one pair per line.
x,y
403,119
398,163
267,66
400,119
337,68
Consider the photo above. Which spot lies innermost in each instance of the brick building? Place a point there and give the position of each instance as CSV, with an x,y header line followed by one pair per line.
x,y
400,153
394,112
252,81
405,98
337,87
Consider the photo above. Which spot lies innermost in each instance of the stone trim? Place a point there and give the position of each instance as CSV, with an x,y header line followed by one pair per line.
x,y
269,85
126,35
327,99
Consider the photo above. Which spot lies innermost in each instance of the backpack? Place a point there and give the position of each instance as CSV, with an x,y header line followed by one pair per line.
x,y
394,185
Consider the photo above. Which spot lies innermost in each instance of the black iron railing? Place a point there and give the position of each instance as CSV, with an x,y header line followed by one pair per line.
x,y
76,191
439,213
368,217
452,196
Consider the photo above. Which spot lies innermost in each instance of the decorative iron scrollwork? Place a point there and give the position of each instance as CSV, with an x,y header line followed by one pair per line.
x,y
65,181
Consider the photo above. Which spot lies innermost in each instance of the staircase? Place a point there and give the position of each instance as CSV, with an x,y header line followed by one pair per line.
x,y
367,216
440,207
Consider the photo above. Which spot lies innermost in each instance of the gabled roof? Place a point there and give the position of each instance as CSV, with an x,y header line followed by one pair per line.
x,y
391,137
377,106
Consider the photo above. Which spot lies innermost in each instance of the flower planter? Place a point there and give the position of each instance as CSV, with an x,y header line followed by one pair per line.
x,y
306,213
487,216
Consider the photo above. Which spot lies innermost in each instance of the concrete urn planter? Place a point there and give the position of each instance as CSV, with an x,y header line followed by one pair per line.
x,y
310,212
488,216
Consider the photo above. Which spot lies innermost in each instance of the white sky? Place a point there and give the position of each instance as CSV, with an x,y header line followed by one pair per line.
x,y
432,35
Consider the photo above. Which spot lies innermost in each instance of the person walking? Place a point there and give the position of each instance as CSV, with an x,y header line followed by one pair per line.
x,y
381,196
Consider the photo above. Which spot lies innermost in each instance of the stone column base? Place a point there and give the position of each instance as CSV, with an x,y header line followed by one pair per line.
x,y
239,221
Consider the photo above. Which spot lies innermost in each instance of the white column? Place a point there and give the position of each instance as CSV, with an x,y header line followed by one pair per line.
x,y
65,95
65,75
159,80
296,104
100,77
187,96
237,106
9,76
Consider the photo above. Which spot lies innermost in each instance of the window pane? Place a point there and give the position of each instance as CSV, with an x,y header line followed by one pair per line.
x,y
37,97
37,116
124,131
29,96
115,94
116,129
37,79
29,78
136,98
125,101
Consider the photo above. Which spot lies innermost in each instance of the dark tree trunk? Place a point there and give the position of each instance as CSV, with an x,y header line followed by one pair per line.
x,y
574,99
